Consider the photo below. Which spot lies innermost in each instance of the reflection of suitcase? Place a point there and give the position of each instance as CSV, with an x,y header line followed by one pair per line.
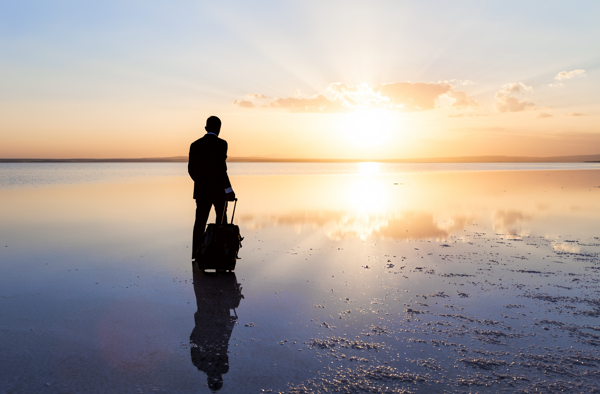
x,y
220,245
216,292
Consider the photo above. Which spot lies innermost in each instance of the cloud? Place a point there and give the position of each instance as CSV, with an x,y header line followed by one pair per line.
x,y
469,115
256,96
244,103
341,97
506,100
517,87
568,74
511,104
318,103
361,96
341,87
463,82
462,100
543,115
575,114
482,128
413,96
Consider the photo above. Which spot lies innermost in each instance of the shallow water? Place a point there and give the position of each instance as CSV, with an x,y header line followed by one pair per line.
x,y
19,175
355,278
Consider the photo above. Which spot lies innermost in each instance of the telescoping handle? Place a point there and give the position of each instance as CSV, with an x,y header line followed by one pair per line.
x,y
225,210
233,213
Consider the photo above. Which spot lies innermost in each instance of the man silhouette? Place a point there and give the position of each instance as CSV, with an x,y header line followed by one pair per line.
x,y
207,168
216,296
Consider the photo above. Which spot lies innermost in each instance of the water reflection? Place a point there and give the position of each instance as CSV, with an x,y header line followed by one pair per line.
x,y
434,205
425,205
340,225
217,297
511,223
367,195
68,251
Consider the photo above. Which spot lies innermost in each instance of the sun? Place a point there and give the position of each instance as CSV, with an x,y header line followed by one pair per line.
x,y
368,127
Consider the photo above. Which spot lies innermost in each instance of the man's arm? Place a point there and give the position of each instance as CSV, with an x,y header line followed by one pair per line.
x,y
229,193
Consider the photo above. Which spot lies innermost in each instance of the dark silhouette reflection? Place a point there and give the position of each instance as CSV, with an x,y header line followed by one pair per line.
x,y
217,296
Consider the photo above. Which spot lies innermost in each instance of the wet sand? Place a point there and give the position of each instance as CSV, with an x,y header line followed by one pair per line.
x,y
391,283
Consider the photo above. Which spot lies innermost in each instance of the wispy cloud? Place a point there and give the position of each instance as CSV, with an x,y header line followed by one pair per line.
x,y
462,100
244,103
466,114
506,100
566,75
575,114
413,96
256,96
399,96
482,128
463,82
317,103
543,115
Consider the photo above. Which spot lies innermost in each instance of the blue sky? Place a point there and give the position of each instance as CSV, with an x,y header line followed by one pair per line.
x,y
113,71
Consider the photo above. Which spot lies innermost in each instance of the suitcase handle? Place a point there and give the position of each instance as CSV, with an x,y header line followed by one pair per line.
x,y
225,211
233,214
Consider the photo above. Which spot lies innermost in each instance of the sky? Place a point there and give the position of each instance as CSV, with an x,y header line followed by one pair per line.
x,y
300,79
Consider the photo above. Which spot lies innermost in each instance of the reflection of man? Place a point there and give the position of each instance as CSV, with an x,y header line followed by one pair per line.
x,y
207,168
215,296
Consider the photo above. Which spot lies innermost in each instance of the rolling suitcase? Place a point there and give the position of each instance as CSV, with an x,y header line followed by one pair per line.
x,y
220,245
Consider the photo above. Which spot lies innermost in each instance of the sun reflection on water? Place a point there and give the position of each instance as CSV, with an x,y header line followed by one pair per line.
x,y
369,168
432,206
366,195
359,225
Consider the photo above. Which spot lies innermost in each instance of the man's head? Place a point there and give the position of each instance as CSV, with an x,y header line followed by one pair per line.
x,y
213,125
215,381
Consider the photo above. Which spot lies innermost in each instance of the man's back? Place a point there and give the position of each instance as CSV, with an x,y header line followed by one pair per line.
x,y
207,165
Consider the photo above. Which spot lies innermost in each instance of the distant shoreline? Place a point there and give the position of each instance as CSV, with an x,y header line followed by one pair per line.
x,y
461,159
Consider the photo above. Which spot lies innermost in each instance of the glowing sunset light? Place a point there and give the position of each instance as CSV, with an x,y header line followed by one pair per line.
x,y
368,128
368,168
367,195
300,79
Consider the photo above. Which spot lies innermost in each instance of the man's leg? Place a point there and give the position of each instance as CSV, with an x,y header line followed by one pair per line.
x,y
202,211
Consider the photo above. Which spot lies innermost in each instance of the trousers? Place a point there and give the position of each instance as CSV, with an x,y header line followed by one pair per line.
x,y
203,207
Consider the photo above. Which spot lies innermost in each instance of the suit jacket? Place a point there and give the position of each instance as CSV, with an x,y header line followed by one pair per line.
x,y
207,167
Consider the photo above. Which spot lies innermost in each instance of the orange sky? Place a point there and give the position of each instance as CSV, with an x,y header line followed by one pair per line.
x,y
302,79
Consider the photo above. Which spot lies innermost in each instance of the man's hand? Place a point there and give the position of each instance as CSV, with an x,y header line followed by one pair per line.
x,y
230,196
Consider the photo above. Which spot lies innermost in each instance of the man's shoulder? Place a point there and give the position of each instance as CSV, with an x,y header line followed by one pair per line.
x,y
208,141
197,142
214,140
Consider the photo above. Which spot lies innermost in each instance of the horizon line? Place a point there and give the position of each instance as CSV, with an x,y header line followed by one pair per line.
x,y
263,159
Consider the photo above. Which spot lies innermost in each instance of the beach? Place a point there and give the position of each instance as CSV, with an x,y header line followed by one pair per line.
x,y
353,277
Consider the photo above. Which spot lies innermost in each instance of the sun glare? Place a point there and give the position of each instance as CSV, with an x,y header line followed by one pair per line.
x,y
368,168
367,195
368,128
